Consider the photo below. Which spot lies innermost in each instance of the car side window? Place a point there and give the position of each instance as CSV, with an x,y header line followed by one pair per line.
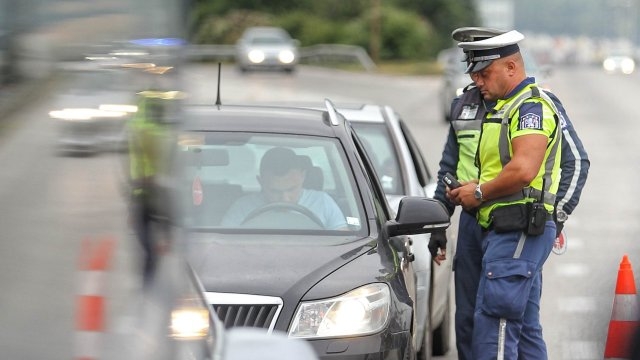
x,y
424,175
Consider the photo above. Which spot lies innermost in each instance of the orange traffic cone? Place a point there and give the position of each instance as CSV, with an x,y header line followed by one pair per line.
x,y
90,323
625,315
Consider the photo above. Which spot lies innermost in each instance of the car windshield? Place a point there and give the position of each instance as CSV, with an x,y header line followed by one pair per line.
x,y
379,146
268,40
266,183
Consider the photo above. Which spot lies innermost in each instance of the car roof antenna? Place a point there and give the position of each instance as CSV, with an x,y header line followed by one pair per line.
x,y
218,102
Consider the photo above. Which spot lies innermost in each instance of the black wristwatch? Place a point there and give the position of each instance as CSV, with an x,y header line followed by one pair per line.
x,y
478,193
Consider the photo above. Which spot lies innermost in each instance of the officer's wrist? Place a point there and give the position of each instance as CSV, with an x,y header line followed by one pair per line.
x,y
561,216
478,194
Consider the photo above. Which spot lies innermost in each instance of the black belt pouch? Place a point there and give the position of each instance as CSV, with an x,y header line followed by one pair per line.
x,y
509,218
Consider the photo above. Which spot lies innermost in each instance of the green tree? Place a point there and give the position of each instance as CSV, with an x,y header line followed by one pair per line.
x,y
409,29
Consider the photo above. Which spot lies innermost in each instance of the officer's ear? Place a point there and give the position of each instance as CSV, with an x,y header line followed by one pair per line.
x,y
511,66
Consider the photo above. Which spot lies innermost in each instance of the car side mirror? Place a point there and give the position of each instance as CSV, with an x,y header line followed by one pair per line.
x,y
418,215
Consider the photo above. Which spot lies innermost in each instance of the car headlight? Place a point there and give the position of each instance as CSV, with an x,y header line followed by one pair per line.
x,y
256,56
627,65
286,56
118,108
609,65
78,114
364,310
190,323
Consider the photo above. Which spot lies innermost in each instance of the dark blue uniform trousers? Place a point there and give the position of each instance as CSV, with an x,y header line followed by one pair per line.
x,y
467,265
507,313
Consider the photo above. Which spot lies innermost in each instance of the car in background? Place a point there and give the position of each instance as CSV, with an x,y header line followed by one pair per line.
x,y
92,109
619,63
267,48
403,171
350,292
453,80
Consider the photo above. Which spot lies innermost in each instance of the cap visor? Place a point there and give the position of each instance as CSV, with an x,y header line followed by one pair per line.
x,y
477,66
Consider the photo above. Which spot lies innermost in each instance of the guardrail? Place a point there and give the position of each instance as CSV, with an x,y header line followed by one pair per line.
x,y
337,52
312,54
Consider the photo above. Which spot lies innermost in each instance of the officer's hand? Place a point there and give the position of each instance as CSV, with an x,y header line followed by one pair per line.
x,y
438,241
559,224
559,227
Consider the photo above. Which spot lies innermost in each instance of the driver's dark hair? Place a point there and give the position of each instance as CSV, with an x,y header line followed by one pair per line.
x,y
279,161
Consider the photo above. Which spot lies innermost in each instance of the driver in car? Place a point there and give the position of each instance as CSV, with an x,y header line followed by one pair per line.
x,y
282,175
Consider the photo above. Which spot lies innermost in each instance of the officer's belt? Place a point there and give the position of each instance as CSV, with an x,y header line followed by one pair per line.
x,y
527,192
548,217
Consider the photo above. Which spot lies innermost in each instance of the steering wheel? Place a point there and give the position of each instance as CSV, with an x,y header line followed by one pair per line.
x,y
284,207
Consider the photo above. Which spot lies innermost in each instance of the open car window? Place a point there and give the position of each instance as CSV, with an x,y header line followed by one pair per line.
x,y
219,187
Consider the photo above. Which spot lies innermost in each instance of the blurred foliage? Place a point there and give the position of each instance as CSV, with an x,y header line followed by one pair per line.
x,y
410,29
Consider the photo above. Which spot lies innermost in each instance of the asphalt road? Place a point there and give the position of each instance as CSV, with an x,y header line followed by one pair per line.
x,y
50,204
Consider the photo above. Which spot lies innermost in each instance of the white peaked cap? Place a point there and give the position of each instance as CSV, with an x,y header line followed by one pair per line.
x,y
498,41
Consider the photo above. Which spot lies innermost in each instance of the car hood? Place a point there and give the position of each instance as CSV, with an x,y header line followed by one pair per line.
x,y
273,267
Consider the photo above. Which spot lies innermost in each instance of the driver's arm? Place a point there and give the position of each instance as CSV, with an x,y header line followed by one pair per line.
x,y
332,214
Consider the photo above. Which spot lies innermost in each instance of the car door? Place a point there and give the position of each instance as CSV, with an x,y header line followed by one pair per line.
x,y
401,244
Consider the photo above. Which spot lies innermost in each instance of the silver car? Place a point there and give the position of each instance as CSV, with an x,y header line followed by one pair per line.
x,y
402,171
92,111
454,79
266,48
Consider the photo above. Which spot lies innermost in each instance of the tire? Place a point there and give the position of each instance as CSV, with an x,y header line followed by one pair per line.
x,y
442,335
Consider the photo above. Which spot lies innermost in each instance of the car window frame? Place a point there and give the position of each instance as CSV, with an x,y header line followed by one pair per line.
x,y
395,152
359,205
422,170
376,192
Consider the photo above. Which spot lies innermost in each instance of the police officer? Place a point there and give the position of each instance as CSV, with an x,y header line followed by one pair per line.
x,y
458,158
518,158
146,132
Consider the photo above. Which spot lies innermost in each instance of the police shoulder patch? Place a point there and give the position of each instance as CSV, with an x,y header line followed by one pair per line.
x,y
530,116
530,121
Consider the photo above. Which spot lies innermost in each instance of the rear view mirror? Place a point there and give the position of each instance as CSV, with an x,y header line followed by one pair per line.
x,y
199,157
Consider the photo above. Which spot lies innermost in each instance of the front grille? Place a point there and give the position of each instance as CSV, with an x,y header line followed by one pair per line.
x,y
258,316
236,310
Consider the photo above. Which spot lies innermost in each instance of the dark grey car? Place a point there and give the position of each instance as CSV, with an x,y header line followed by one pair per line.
x,y
349,292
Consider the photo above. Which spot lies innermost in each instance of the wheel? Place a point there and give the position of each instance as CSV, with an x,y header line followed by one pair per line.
x,y
283,207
